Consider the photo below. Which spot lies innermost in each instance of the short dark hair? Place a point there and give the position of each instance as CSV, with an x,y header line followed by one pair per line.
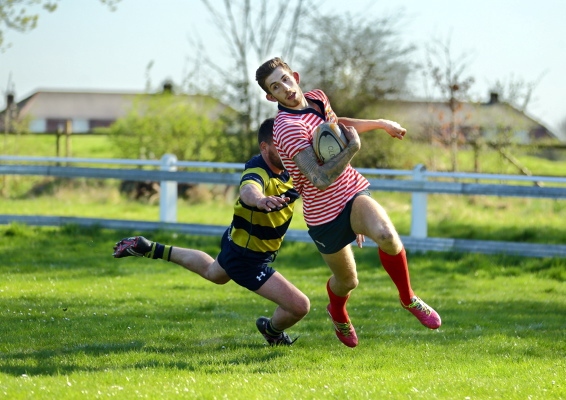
x,y
265,132
267,68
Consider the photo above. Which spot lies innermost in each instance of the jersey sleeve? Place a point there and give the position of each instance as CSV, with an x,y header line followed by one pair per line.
x,y
291,138
256,176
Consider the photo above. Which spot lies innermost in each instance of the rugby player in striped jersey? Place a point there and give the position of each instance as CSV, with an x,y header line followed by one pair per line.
x,y
337,204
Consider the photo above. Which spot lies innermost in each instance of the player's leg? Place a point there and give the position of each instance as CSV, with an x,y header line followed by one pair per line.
x,y
371,220
292,304
333,241
193,260
200,263
344,279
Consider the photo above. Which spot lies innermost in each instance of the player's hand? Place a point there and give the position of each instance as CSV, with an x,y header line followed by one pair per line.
x,y
360,239
271,203
394,129
352,135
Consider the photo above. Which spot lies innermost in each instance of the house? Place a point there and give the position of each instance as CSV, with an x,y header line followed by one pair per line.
x,y
493,120
50,111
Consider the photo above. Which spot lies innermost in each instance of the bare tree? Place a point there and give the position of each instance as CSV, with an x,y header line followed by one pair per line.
x,y
356,60
448,75
251,31
562,129
16,14
516,91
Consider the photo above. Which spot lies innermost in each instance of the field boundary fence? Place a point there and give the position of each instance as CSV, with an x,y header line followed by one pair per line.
x,y
169,172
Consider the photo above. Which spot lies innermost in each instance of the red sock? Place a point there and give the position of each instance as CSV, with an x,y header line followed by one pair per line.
x,y
337,305
398,269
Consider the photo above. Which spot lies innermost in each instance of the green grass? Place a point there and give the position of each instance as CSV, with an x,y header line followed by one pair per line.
x,y
82,146
449,216
539,162
77,323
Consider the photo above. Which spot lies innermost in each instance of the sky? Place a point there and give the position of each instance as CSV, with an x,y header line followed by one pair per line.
x,y
84,46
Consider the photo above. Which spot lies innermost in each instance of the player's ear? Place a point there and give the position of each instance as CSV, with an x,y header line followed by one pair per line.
x,y
270,98
297,76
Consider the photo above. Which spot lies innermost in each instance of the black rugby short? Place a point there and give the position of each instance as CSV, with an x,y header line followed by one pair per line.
x,y
333,236
248,272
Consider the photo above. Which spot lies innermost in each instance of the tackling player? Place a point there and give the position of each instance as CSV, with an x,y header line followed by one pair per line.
x,y
262,214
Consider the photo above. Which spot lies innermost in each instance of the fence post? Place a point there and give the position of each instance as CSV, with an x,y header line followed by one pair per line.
x,y
419,206
168,192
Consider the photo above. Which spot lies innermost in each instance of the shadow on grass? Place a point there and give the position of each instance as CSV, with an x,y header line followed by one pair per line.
x,y
212,335
136,334
215,328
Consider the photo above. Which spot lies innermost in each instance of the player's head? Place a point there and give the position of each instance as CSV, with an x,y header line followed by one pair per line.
x,y
280,83
265,132
267,69
266,146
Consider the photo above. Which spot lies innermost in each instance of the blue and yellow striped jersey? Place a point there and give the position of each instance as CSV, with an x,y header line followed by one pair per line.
x,y
256,230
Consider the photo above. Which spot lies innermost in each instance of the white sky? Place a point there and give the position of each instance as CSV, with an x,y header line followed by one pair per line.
x,y
84,46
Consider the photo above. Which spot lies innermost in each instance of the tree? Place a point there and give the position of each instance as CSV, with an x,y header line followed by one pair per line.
x,y
252,31
356,61
16,14
516,91
188,127
448,78
562,129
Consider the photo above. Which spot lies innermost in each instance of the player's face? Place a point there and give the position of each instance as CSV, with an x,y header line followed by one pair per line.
x,y
284,88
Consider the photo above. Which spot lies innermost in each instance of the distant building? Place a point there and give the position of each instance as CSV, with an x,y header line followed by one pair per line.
x,y
49,110
493,120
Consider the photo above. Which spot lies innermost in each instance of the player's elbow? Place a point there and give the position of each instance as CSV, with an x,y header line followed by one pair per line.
x,y
322,181
321,185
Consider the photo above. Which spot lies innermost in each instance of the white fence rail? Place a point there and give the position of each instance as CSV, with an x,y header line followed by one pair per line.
x,y
418,181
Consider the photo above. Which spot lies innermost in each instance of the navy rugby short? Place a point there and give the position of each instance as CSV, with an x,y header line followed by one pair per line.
x,y
247,271
336,234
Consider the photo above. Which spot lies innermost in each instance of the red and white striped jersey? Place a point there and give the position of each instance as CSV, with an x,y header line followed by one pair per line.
x,y
292,134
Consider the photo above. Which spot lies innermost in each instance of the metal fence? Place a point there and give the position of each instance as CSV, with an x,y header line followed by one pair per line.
x,y
418,181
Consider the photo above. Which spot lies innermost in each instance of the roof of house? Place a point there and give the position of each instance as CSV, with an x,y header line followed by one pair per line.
x,y
93,105
416,116
489,117
88,105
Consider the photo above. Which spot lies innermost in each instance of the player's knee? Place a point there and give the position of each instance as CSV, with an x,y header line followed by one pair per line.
x,y
219,280
301,306
387,239
352,283
348,283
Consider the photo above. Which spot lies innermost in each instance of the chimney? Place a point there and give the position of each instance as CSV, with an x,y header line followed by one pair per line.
x,y
168,87
493,98
10,99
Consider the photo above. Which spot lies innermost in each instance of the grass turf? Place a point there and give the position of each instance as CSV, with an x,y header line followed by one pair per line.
x,y
77,323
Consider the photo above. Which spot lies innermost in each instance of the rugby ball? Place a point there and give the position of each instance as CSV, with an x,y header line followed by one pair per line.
x,y
328,140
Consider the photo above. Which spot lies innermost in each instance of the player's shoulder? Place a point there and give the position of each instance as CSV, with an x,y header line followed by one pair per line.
x,y
256,161
316,94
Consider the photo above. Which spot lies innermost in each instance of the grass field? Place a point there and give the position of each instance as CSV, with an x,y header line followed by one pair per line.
x,y
77,323
449,216
538,161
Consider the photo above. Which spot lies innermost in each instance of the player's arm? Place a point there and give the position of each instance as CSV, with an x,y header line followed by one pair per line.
x,y
322,176
253,196
393,128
